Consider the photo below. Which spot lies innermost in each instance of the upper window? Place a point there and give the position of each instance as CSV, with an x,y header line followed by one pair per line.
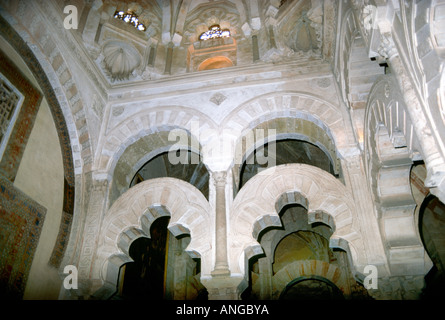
x,y
214,32
131,18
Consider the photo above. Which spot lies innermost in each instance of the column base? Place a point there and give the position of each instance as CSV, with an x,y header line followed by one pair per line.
x,y
224,287
220,272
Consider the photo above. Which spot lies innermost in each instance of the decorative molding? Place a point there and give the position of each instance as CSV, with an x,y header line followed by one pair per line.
x,y
390,147
18,43
21,131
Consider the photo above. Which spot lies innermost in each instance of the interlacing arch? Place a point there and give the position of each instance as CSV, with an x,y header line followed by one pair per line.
x,y
131,216
256,208
390,148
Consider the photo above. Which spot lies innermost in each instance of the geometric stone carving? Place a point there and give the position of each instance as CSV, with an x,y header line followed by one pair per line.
x,y
8,102
218,98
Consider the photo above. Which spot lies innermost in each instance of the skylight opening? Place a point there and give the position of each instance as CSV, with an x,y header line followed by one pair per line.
x,y
130,18
214,32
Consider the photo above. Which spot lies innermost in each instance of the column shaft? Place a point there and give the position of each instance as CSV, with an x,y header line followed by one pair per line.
x,y
221,265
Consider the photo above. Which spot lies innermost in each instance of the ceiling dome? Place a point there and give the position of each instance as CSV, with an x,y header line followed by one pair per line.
x,y
121,59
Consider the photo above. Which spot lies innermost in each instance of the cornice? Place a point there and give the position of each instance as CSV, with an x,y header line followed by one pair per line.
x,y
211,80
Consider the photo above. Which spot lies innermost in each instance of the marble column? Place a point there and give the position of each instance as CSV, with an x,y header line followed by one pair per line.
x,y
272,43
169,59
221,265
255,50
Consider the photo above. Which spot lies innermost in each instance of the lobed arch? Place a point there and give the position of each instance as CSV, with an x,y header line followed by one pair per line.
x,y
389,130
255,209
272,238
391,147
132,215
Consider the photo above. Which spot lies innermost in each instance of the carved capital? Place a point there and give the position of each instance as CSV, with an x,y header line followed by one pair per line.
x,y
387,48
220,178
